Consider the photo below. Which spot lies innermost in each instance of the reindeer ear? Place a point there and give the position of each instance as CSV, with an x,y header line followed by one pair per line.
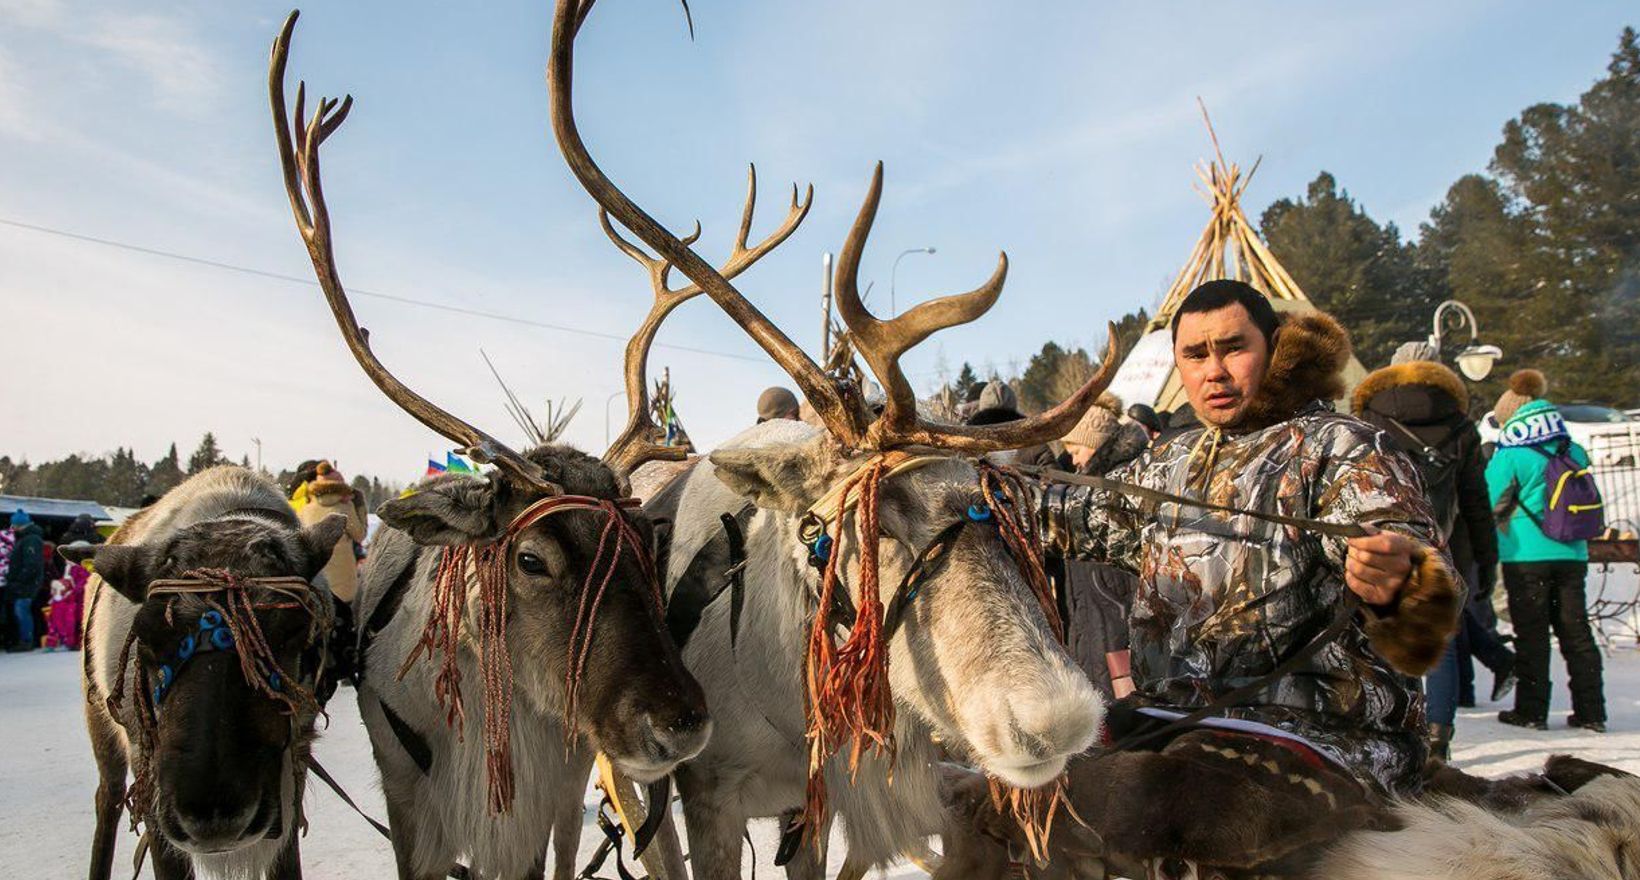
x,y
319,540
789,478
125,567
77,552
448,510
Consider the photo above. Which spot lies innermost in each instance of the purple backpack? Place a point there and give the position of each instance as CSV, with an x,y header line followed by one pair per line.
x,y
1575,511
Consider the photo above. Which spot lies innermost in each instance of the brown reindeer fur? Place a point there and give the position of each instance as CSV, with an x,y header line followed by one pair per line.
x,y
1236,802
1413,635
1311,349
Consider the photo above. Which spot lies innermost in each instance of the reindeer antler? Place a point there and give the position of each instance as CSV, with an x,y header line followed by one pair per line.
x,y
299,141
882,343
842,414
635,445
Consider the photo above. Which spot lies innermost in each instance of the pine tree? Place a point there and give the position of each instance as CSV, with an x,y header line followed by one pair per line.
x,y
127,479
16,477
1352,267
165,475
1573,172
1053,374
967,386
1130,327
206,456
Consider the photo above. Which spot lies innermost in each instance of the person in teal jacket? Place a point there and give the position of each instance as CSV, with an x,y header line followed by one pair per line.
x,y
1543,578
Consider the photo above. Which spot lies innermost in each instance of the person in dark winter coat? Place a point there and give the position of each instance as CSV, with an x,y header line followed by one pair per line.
x,y
1225,597
1544,578
24,578
83,528
1422,408
1302,644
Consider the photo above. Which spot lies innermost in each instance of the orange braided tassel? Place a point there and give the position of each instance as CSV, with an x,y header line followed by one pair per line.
x,y
849,697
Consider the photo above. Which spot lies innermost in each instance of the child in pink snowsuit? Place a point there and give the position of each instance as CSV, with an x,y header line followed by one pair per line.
x,y
67,603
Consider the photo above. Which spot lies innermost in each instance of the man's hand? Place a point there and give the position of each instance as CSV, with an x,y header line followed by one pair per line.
x,y
1378,566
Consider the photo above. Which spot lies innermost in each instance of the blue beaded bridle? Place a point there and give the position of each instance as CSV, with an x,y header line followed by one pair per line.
x,y
215,633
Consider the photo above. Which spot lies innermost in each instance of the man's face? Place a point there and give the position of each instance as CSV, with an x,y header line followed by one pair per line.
x,y
1221,356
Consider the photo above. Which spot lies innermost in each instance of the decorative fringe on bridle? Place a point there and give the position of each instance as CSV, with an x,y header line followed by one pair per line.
x,y
1033,810
485,566
848,698
230,596
847,689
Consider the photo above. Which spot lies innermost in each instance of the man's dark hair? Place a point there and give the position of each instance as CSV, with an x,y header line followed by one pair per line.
x,y
1215,295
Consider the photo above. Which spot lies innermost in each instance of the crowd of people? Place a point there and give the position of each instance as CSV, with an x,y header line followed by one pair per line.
x,y
44,593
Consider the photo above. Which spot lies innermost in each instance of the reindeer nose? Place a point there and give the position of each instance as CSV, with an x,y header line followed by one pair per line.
x,y
681,734
686,722
216,828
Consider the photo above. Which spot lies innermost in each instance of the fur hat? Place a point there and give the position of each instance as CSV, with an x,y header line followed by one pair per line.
x,y
1098,424
1525,386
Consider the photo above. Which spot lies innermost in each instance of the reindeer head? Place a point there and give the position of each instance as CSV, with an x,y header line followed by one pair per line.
x,y
630,695
565,593
221,721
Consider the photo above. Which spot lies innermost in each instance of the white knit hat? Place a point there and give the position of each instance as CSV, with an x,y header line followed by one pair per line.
x,y
1098,424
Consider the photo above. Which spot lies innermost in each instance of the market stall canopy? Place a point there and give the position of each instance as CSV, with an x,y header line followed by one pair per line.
x,y
52,508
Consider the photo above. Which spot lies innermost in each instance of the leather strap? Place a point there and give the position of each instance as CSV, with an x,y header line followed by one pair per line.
x,y
1145,493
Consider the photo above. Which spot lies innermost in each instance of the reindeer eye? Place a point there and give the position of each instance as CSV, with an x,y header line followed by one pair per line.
x,y
532,564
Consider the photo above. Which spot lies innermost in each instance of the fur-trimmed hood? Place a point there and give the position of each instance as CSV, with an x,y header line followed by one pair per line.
x,y
1415,392
1311,350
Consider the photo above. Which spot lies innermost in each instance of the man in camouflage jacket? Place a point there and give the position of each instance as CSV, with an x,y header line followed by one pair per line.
x,y
1225,598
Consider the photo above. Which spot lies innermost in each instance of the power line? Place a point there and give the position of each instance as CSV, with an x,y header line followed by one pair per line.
x,y
390,297
357,291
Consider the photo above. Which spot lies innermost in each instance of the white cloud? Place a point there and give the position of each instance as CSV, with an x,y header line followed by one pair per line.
x,y
164,51
31,13
16,120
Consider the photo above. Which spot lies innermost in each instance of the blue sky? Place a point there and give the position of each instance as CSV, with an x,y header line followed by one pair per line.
x,y
1062,133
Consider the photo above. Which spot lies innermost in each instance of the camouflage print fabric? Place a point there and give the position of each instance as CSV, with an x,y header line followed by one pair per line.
x,y
1224,598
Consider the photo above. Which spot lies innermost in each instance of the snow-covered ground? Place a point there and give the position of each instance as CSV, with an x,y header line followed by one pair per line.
x,y
47,777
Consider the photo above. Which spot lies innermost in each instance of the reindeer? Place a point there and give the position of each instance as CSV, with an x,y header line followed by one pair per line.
x,y
206,634
534,583
974,666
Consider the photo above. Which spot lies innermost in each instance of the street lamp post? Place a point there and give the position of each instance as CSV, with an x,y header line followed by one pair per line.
x,y
1475,360
895,271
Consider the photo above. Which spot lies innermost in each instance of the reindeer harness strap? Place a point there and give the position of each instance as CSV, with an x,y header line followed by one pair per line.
x,y
484,567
